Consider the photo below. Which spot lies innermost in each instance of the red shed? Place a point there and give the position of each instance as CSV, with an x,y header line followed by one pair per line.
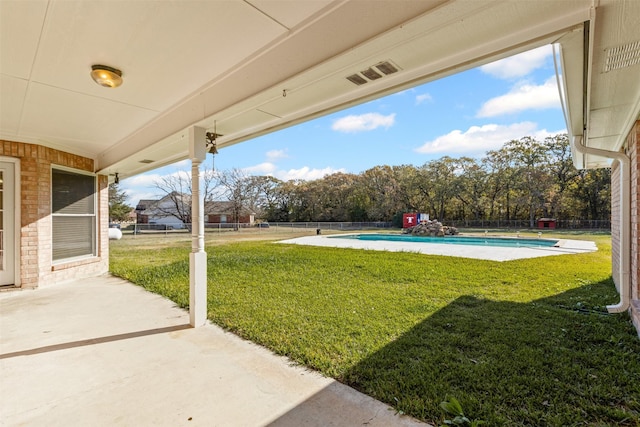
x,y
546,223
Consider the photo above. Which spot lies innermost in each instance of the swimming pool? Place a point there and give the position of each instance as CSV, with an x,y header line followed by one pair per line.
x,y
503,242
517,249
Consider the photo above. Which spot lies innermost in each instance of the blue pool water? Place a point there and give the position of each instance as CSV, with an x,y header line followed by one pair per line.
x,y
504,242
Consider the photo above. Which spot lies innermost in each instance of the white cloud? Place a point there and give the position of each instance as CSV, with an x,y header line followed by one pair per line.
x,y
276,154
518,65
266,168
143,186
143,180
479,139
425,97
363,122
186,163
306,173
134,196
523,96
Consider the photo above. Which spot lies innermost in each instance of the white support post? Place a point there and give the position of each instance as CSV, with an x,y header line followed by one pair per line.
x,y
197,257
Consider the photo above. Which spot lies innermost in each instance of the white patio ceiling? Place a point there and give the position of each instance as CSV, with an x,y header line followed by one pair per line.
x,y
230,62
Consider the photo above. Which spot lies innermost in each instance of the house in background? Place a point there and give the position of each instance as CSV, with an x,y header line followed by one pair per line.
x,y
240,69
140,209
168,211
222,212
173,211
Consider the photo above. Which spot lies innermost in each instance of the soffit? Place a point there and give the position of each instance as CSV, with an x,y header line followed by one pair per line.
x,y
447,38
227,63
611,94
167,51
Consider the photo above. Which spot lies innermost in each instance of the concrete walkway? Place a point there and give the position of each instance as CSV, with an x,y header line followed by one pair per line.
x,y
103,352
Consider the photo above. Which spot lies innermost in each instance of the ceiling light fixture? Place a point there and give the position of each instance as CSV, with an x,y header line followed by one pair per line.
x,y
106,76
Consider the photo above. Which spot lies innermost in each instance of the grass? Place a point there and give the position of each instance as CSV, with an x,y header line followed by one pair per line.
x,y
523,342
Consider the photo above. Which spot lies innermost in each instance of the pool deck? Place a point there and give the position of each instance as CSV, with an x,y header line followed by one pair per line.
x,y
491,253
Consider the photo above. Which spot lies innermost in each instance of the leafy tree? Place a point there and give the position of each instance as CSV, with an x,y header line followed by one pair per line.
x,y
118,208
334,194
381,187
522,180
281,202
592,194
407,195
437,184
563,174
499,183
530,159
302,200
470,186
266,191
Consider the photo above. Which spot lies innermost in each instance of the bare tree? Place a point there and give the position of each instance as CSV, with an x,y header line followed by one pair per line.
x,y
238,188
176,192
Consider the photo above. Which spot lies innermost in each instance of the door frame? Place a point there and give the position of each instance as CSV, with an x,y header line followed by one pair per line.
x,y
16,217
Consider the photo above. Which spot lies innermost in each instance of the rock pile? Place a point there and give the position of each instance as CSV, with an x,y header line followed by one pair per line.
x,y
431,228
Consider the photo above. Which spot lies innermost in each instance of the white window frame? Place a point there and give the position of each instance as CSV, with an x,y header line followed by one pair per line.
x,y
95,215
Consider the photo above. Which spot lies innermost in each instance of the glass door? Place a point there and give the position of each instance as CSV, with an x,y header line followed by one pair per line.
x,y
7,225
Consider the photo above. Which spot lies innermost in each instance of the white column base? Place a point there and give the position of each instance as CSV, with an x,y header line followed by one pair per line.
x,y
197,288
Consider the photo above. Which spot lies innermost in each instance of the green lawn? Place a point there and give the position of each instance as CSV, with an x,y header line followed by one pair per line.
x,y
517,343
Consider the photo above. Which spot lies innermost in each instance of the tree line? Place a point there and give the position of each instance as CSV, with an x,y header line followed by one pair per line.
x,y
524,180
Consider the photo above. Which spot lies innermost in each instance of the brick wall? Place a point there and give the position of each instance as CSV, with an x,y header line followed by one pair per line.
x,y
615,223
633,150
216,219
36,268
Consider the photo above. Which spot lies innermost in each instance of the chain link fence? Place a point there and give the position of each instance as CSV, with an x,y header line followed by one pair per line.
x,y
317,227
569,224
178,228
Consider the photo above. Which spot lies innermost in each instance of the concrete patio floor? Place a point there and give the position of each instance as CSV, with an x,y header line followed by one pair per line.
x,y
103,352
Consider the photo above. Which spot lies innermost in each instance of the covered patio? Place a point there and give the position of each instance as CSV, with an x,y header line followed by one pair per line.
x,y
185,79
106,352
198,77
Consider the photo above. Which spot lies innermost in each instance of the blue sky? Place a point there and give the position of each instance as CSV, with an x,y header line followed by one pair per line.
x,y
462,115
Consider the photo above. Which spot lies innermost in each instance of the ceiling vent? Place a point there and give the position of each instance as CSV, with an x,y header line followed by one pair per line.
x,y
357,79
374,72
371,74
622,56
386,67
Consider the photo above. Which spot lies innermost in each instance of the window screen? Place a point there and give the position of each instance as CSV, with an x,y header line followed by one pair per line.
x,y
74,216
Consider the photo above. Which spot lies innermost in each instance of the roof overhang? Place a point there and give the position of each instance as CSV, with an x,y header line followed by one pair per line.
x,y
601,80
246,68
